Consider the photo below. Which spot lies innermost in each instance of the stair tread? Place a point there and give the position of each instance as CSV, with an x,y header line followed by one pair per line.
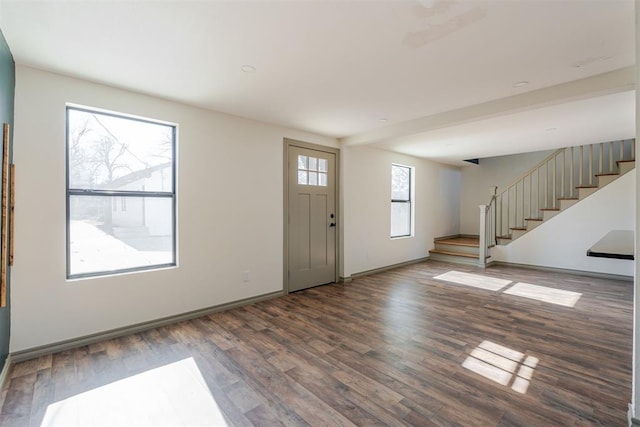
x,y
625,161
534,219
472,243
587,186
549,209
504,237
608,174
517,228
438,251
568,198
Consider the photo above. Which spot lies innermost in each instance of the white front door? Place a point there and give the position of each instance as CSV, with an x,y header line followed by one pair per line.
x,y
312,217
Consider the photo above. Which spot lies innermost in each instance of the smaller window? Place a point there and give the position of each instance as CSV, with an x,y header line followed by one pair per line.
x,y
401,203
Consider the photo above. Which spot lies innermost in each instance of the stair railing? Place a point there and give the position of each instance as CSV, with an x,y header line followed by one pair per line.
x,y
555,178
487,228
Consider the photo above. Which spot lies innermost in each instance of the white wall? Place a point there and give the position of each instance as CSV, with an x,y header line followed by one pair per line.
x,y
366,196
476,179
562,241
230,181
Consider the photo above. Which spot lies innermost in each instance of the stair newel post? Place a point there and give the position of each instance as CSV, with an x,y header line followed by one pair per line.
x,y
494,206
482,255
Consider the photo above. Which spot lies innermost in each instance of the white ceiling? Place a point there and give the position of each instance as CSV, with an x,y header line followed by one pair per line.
x,y
440,72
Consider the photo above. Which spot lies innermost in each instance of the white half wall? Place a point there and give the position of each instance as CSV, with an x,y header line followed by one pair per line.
x,y
366,196
230,215
562,241
493,171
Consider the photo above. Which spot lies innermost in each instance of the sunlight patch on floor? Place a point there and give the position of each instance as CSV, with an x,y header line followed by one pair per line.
x,y
474,280
174,394
502,365
545,294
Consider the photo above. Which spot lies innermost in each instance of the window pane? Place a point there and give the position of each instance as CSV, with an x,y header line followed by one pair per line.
x,y
108,236
400,182
322,165
400,219
302,162
118,153
313,178
313,164
322,179
302,177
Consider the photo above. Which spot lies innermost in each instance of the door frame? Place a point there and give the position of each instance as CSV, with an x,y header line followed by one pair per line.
x,y
285,166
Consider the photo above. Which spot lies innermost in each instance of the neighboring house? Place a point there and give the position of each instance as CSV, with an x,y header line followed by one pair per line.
x,y
130,213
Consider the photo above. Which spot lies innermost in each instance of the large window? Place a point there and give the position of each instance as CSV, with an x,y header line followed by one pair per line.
x,y
121,197
401,204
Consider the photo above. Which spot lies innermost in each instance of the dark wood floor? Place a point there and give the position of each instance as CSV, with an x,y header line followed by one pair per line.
x,y
386,349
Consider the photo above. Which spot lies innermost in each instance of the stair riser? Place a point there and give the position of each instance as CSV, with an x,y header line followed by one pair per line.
x,y
517,233
625,167
606,179
454,259
546,215
457,248
564,204
584,192
533,224
503,242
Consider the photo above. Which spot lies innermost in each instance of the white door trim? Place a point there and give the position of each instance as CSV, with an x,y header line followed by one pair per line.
x,y
285,166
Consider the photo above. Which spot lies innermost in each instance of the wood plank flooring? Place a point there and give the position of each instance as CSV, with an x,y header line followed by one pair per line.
x,y
385,349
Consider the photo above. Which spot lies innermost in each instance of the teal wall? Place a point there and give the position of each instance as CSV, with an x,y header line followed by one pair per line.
x,y
7,90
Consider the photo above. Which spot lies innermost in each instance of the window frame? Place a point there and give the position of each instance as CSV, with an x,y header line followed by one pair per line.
x,y
87,192
409,200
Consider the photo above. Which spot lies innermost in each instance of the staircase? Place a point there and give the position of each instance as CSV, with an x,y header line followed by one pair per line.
x,y
563,179
461,249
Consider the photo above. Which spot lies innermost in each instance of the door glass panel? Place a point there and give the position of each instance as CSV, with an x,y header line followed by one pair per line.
x,y
313,178
302,162
307,167
322,179
302,177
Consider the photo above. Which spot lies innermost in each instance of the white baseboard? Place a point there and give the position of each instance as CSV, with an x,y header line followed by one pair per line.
x,y
32,353
4,375
385,268
631,420
566,271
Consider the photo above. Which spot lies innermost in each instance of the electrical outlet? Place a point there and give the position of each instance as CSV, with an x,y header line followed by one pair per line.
x,y
245,276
